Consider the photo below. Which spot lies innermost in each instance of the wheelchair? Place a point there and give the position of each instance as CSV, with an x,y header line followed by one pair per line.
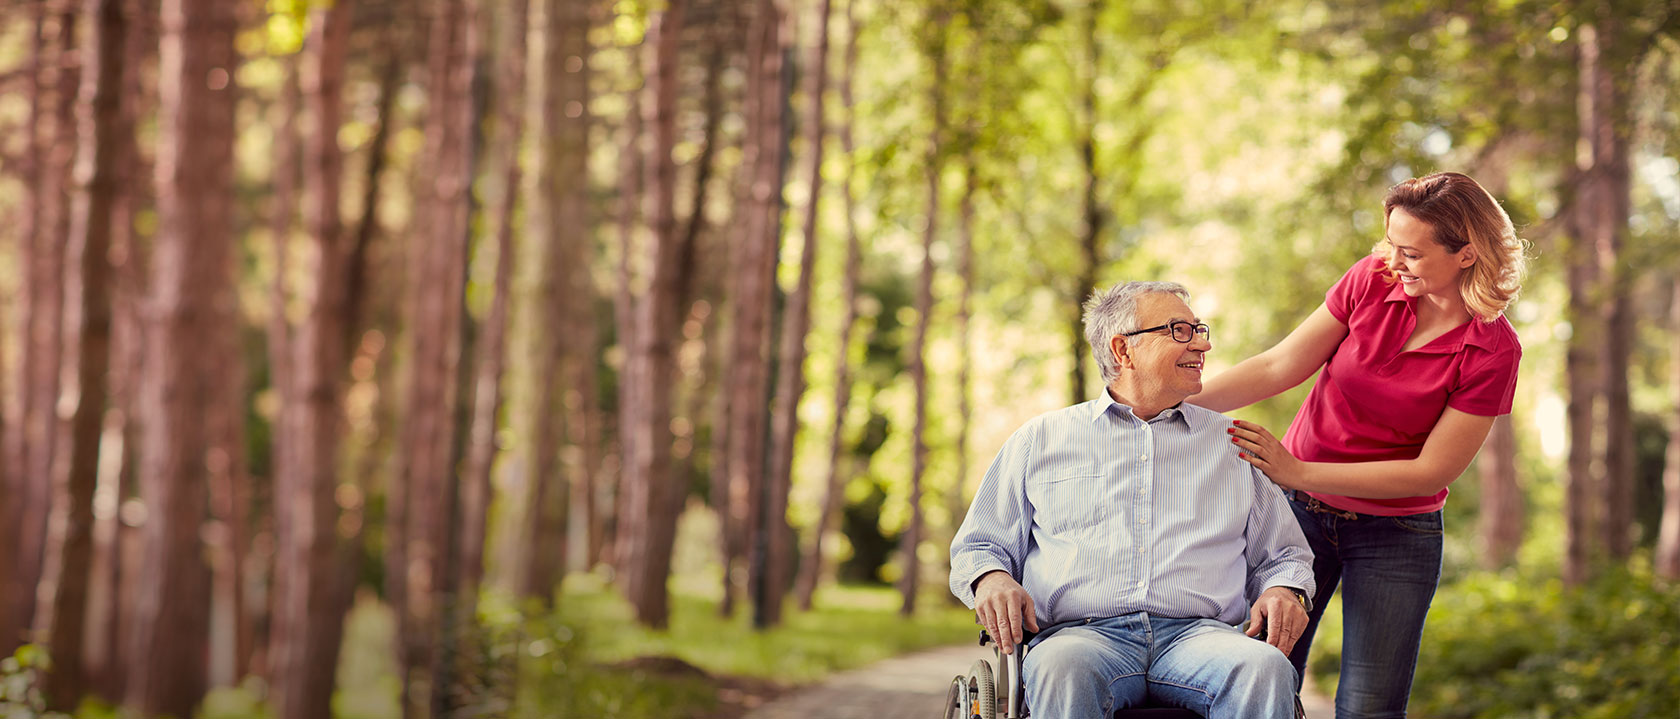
x,y
994,689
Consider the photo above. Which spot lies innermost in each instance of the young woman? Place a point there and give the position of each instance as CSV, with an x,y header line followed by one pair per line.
x,y
1417,360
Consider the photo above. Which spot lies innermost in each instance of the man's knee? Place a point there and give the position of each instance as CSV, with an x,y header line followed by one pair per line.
x,y
1062,663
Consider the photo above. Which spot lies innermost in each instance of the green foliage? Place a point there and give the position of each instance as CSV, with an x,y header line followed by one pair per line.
x,y
20,693
1519,645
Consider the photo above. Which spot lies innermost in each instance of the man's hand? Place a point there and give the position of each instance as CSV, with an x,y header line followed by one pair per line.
x,y
1281,615
1002,605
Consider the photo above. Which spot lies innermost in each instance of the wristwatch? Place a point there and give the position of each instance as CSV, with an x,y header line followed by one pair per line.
x,y
1306,602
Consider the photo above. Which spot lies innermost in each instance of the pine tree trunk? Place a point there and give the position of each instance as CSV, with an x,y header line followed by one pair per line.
x,y
811,566
192,268
1092,211
754,260
428,436
63,622
1502,512
956,502
651,497
909,583
487,396
1668,536
56,80
1604,124
115,562
307,623
796,324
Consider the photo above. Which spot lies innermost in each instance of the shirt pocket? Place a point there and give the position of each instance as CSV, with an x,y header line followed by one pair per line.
x,y
1068,500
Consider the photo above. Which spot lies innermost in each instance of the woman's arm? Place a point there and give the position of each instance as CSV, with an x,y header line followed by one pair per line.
x,y
1453,442
1286,364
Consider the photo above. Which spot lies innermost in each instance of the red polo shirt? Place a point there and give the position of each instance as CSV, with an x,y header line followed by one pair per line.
x,y
1373,402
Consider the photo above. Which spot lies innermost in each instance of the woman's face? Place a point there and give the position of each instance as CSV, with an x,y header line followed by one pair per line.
x,y
1424,266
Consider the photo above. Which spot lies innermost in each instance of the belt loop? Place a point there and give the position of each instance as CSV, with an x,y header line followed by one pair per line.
x,y
1314,505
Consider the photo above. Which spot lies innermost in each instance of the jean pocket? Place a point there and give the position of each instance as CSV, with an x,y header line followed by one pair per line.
x,y
1426,523
1067,501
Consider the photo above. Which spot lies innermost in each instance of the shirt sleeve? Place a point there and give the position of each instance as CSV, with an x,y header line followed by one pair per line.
x,y
994,534
1487,384
1277,552
1348,291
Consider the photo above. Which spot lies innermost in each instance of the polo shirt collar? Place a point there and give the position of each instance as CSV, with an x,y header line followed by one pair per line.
x,y
1478,333
1100,405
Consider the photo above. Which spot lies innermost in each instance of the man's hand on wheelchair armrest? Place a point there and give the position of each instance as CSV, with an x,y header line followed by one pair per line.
x,y
1003,607
1280,615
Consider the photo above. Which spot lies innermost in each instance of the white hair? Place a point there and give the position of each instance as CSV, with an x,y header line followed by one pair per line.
x,y
1112,312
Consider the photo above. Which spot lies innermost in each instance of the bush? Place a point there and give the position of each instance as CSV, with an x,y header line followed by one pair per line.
x,y
1511,645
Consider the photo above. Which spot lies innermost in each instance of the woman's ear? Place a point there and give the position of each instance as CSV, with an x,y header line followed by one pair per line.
x,y
1466,256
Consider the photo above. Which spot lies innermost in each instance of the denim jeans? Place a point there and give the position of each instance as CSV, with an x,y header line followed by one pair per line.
x,y
1089,668
1387,569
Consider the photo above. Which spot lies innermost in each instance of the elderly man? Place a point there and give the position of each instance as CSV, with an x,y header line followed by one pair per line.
x,y
1128,533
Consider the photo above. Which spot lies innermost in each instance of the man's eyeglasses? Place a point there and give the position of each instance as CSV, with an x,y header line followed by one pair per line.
x,y
1181,331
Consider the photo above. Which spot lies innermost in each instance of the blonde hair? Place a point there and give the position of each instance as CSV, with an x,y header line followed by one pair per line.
x,y
1462,213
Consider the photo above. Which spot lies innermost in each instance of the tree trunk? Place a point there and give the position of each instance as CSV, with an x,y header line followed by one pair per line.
x,y
1091,211
651,499
811,566
1668,537
116,539
428,437
796,324
1502,513
56,79
307,624
957,502
192,269
487,397
630,184
1605,127
909,583
63,622
754,260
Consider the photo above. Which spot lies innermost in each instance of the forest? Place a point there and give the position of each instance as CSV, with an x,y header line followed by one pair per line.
x,y
434,308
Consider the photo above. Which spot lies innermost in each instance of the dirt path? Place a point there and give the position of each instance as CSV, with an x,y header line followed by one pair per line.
x,y
911,686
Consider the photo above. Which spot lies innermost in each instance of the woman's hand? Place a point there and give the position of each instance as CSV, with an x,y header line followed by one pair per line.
x,y
1264,451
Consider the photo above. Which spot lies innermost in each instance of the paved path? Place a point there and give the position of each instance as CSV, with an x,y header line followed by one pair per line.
x,y
911,686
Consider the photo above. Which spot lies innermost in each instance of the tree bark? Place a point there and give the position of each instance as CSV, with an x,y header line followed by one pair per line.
x,y
1092,211
487,397
796,324
307,623
651,497
191,270
909,583
811,567
63,622
1502,514
55,84
1668,536
956,502
428,436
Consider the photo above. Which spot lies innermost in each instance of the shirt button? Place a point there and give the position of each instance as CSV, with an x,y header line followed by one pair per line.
x,y
1141,550
1143,457
1140,585
1143,520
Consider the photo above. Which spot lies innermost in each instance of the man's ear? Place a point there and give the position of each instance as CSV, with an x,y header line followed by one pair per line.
x,y
1117,345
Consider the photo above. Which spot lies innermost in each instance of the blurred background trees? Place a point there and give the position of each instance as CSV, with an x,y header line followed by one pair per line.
x,y
311,305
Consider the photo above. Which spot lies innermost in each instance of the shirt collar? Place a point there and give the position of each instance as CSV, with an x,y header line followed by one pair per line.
x,y
1104,401
1476,332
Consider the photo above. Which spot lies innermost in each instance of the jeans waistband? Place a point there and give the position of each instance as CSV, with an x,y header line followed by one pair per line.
x,y
1313,504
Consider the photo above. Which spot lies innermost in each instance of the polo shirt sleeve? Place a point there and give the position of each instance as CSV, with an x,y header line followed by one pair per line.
x,y
994,534
1352,289
1487,383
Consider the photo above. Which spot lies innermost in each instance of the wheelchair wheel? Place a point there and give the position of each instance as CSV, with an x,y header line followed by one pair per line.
x,y
982,691
956,700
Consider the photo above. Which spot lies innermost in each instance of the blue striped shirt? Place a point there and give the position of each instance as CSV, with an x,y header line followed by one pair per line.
x,y
1098,514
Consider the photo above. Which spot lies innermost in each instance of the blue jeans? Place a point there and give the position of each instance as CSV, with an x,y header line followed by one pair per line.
x,y
1387,568
1089,668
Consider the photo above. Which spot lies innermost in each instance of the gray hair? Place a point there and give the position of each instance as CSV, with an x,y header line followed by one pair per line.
x,y
1112,312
